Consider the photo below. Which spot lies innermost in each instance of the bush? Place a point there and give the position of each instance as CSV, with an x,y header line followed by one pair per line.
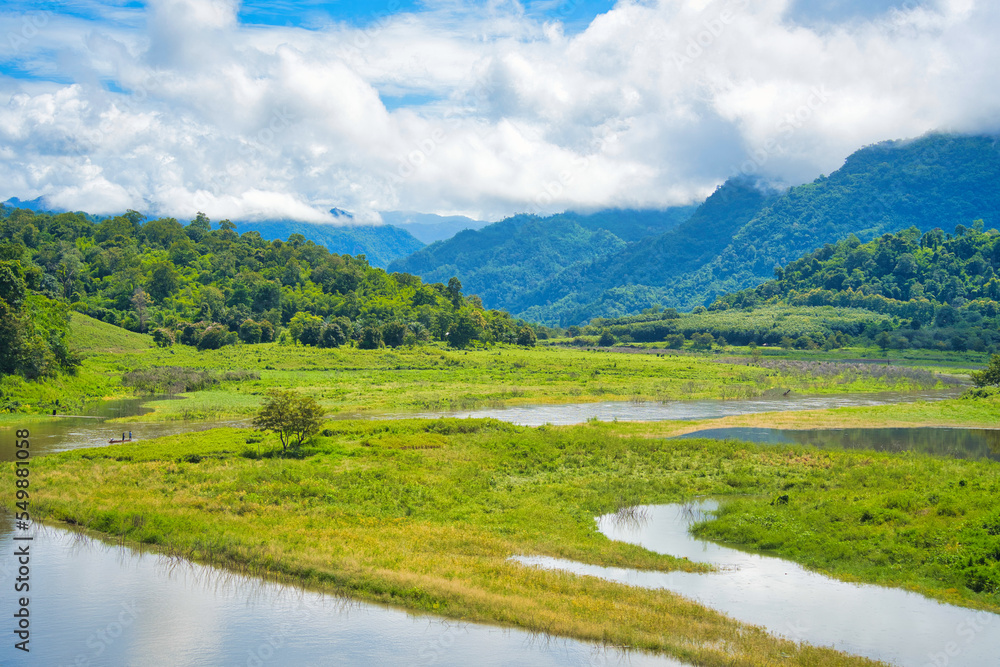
x,y
214,337
702,341
394,334
607,339
989,376
266,331
674,341
526,337
371,338
163,337
250,331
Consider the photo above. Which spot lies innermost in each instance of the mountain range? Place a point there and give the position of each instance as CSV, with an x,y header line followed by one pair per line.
x,y
567,269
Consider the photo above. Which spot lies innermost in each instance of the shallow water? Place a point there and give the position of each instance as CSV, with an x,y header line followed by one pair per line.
x,y
962,443
81,432
577,413
882,623
96,604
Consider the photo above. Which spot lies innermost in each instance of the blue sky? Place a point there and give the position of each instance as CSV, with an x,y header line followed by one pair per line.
x,y
278,109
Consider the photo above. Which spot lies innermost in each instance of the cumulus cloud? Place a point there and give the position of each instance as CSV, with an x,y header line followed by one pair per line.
x,y
178,107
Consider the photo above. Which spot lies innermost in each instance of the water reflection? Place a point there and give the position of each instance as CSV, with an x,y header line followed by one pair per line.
x,y
577,413
97,604
89,429
962,443
881,623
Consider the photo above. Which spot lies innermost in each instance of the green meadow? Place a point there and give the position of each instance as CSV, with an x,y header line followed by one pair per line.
x,y
424,514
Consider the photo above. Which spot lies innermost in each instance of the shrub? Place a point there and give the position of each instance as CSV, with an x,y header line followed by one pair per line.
x,y
163,337
371,338
250,331
214,337
394,334
332,336
526,337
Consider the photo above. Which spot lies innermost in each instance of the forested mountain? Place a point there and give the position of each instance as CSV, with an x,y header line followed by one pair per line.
x,y
518,255
210,287
637,269
944,289
738,236
931,290
380,244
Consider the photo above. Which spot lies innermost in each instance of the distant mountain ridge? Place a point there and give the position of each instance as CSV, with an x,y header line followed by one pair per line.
x,y
518,255
380,244
428,227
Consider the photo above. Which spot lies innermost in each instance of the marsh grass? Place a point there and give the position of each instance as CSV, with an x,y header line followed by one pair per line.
x,y
425,514
232,381
854,373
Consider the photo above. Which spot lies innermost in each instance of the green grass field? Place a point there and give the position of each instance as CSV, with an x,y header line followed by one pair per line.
x,y
349,380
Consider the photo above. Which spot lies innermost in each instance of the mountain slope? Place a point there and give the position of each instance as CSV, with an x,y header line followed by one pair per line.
x,y
380,244
937,180
655,261
517,255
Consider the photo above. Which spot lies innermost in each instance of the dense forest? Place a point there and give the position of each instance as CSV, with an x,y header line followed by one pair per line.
x,y
944,288
931,290
212,287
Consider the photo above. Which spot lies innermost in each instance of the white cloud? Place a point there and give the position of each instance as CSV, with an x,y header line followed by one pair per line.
x,y
179,108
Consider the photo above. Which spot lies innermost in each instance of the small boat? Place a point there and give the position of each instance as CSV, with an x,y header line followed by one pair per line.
x,y
112,441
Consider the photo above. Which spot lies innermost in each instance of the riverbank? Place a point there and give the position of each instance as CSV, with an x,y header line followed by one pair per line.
x,y
424,514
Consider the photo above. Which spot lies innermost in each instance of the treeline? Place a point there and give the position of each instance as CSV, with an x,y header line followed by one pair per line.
x,y
772,325
211,287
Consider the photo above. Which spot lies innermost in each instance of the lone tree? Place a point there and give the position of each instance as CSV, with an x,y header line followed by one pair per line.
x,y
989,376
292,416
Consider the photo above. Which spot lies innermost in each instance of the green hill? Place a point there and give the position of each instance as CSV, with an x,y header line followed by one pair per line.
x,y
89,336
518,255
209,288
